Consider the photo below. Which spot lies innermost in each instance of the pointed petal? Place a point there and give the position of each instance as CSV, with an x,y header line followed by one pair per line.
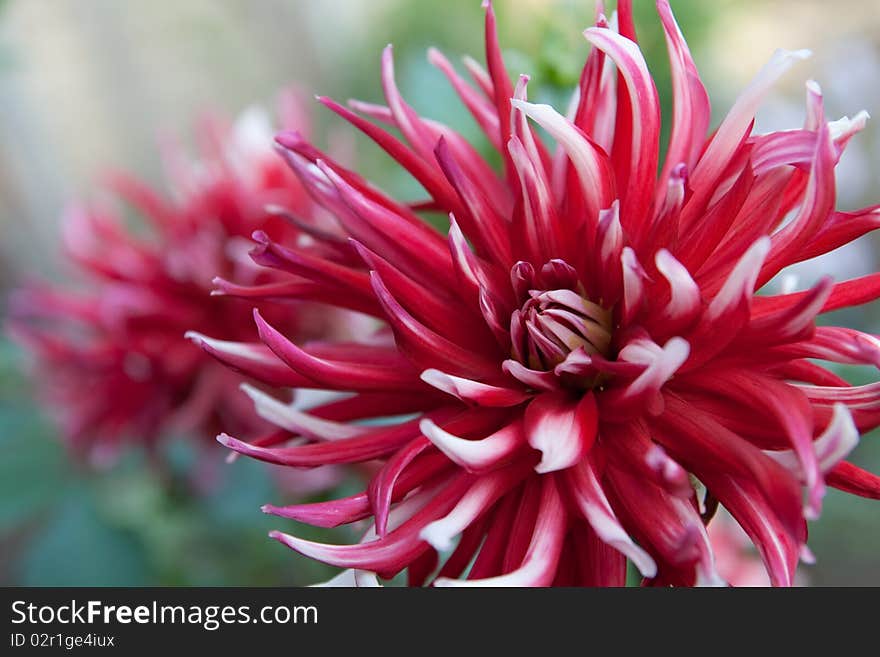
x,y
337,375
637,197
480,497
561,428
834,444
532,378
538,568
468,390
251,359
685,300
490,452
850,478
589,162
733,130
287,417
691,111
590,499
424,346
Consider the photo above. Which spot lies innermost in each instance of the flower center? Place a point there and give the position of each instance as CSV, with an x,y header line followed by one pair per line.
x,y
553,323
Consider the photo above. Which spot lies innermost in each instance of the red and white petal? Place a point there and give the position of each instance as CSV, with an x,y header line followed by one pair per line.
x,y
535,379
468,390
590,499
739,286
252,359
586,158
561,428
400,546
287,417
492,451
638,193
685,302
538,568
691,111
834,444
662,364
733,130
480,497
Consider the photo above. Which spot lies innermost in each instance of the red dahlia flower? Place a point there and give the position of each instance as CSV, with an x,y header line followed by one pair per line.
x,y
586,351
111,358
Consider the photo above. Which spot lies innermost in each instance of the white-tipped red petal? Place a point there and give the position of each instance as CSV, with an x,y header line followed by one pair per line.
x,y
538,568
253,359
475,392
586,158
476,455
644,140
834,444
478,499
662,364
337,375
535,379
390,554
685,302
633,284
735,125
561,428
690,106
739,286
590,499
287,417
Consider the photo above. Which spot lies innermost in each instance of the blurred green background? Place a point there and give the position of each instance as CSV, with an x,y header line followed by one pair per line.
x,y
89,83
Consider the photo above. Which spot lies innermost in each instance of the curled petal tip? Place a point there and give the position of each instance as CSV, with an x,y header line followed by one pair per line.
x,y
196,338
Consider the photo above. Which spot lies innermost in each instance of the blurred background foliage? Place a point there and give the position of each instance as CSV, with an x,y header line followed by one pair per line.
x,y
87,84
